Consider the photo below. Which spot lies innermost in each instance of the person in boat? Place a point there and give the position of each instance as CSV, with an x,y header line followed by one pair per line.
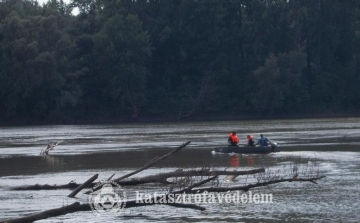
x,y
251,141
263,141
233,139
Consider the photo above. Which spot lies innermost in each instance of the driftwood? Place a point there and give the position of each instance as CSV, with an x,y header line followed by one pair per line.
x,y
249,186
73,185
46,214
189,188
86,183
76,207
163,177
150,164
49,147
111,177
156,178
186,182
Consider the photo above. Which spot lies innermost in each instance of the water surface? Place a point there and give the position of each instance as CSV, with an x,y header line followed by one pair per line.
x,y
333,144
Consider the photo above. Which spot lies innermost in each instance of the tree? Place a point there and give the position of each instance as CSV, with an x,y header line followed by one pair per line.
x,y
131,51
269,96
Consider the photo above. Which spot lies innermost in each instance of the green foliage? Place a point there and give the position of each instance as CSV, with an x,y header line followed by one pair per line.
x,y
269,96
177,59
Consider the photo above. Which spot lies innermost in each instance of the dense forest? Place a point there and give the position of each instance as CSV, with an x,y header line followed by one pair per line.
x,y
177,59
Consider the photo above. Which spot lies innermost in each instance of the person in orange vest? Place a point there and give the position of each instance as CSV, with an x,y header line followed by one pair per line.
x,y
233,139
251,141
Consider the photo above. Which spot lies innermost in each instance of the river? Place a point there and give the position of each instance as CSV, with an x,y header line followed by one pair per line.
x,y
332,146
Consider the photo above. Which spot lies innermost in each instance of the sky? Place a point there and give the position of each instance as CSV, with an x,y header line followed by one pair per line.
x,y
74,12
43,1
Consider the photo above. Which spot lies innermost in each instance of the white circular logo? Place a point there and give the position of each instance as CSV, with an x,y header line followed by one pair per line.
x,y
107,197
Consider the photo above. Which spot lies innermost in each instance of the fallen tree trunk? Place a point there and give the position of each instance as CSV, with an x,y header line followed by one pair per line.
x,y
76,207
249,186
71,185
163,177
108,179
86,183
47,214
156,178
151,163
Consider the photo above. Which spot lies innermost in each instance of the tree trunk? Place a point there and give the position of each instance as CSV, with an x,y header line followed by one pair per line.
x,y
86,183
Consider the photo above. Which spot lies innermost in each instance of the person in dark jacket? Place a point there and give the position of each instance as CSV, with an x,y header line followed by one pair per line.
x,y
263,141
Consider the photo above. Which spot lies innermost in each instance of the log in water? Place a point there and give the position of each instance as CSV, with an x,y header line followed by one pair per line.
x,y
333,144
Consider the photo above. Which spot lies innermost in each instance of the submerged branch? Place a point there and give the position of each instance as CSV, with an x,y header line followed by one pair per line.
x,y
156,178
163,177
150,164
77,207
86,183
189,188
71,185
165,199
249,186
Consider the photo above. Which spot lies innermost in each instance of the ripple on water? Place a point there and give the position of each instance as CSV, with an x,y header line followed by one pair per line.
x,y
108,149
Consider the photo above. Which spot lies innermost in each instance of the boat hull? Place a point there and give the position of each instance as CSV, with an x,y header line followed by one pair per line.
x,y
247,149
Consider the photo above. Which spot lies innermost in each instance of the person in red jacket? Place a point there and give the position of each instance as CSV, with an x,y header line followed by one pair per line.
x,y
233,139
251,141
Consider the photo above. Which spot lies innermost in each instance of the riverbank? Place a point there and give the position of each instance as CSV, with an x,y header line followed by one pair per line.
x,y
163,119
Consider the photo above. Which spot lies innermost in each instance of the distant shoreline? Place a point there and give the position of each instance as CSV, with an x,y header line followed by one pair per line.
x,y
145,119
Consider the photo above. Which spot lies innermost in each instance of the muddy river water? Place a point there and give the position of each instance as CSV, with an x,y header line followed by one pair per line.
x,y
333,145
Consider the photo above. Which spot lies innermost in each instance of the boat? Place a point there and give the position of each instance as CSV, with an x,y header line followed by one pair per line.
x,y
273,148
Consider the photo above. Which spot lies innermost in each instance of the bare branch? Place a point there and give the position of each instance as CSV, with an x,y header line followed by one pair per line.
x,y
76,207
196,185
150,164
249,186
86,183
153,162
156,178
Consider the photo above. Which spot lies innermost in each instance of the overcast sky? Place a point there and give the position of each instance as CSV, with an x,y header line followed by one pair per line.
x,y
74,12
43,1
